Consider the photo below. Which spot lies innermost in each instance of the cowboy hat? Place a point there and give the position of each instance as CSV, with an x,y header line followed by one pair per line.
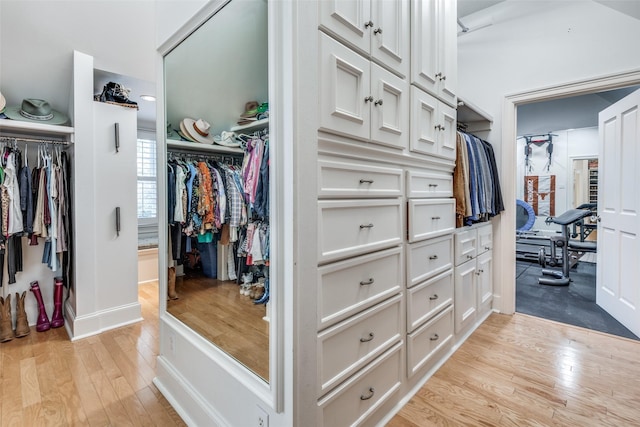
x,y
36,111
197,130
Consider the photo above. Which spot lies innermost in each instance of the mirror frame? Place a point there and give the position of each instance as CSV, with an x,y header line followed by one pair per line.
x,y
280,49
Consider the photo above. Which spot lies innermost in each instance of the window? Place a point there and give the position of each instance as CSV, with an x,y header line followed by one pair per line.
x,y
147,182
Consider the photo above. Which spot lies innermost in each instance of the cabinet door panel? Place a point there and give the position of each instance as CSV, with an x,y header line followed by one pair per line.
x,y
390,119
424,45
465,295
390,43
485,280
344,90
346,19
448,51
447,136
423,123
485,238
116,177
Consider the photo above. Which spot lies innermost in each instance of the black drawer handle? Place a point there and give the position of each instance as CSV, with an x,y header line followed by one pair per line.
x,y
118,221
366,225
435,337
435,217
117,136
372,391
368,282
432,257
434,297
433,185
366,181
369,338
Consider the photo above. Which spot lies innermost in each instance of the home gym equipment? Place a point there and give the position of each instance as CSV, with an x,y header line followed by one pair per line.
x,y
569,249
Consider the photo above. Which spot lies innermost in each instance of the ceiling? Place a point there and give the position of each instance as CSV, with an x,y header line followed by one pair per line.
x,y
628,7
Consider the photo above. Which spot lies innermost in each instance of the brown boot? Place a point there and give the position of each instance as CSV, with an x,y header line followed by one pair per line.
x,y
172,284
6,330
22,324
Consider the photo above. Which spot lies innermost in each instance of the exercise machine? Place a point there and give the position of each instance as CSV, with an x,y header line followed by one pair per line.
x,y
570,250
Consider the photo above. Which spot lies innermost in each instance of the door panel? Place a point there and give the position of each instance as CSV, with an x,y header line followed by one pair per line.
x,y
424,46
423,122
347,20
390,43
617,287
390,118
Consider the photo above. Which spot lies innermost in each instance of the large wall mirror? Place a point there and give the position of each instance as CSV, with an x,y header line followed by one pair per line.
x,y
216,106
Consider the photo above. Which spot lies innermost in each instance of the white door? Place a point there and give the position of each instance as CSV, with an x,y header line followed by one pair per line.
x,y
618,287
390,42
390,111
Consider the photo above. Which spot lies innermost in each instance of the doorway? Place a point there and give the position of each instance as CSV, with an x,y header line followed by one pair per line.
x,y
505,279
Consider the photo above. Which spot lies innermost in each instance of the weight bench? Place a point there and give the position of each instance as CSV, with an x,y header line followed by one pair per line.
x,y
561,278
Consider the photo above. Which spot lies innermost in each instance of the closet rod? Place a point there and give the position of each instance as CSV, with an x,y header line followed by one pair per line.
x,y
235,159
32,140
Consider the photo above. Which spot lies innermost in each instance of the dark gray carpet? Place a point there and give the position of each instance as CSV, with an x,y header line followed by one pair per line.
x,y
574,304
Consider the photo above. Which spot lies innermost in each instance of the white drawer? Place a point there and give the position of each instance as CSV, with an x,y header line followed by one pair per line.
x,y
348,346
431,218
354,401
428,298
353,227
341,179
485,238
466,246
347,287
428,258
429,341
429,185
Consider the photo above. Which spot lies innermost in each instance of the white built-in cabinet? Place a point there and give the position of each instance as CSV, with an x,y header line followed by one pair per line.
x,y
434,48
473,274
359,98
433,126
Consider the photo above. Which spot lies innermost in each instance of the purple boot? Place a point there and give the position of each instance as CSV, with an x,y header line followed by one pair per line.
x,y
57,319
43,323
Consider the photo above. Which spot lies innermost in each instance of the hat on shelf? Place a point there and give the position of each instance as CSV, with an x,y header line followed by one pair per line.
x,y
3,103
196,130
227,139
36,111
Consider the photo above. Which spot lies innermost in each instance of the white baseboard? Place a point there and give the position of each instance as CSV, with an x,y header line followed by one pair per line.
x,y
84,326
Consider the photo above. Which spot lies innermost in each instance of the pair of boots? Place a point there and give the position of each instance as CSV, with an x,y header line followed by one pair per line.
x,y
57,319
22,324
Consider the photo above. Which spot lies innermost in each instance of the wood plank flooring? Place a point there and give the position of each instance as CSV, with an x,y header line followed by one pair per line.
x,y
104,380
526,371
216,310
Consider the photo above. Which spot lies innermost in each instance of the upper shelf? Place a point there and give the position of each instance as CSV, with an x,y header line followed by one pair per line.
x,y
196,146
476,119
21,129
258,124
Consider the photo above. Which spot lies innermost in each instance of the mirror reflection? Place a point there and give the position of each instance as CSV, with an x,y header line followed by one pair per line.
x,y
216,94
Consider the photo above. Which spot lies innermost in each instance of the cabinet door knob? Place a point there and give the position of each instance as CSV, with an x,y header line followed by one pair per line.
x,y
437,127
434,297
378,102
377,31
435,337
368,99
438,75
366,226
443,78
366,181
469,257
442,128
368,338
487,248
117,136
372,391
367,282
368,24
432,257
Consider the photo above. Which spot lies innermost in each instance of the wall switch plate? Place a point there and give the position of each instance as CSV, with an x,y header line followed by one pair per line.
x,y
262,417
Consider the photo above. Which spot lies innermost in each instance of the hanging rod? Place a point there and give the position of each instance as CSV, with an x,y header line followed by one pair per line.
x,y
234,159
32,140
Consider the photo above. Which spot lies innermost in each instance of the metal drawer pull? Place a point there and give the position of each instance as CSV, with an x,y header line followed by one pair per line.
x,y
435,217
368,282
432,257
368,99
366,181
435,337
366,225
378,102
433,185
434,297
369,338
377,31
117,140
372,391
118,221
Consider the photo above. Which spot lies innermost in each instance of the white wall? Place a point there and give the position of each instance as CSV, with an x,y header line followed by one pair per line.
x,y
567,145
37,39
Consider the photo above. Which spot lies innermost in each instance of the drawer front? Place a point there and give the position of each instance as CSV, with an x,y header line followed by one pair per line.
x,y
485,238
466,246
338,179
354,227
428,258
348,346
429,185
430,218
347,287
355,400
428,298
429,341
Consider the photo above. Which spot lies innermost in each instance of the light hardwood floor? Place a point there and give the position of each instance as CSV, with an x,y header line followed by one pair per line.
x,y
104,380
525,371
